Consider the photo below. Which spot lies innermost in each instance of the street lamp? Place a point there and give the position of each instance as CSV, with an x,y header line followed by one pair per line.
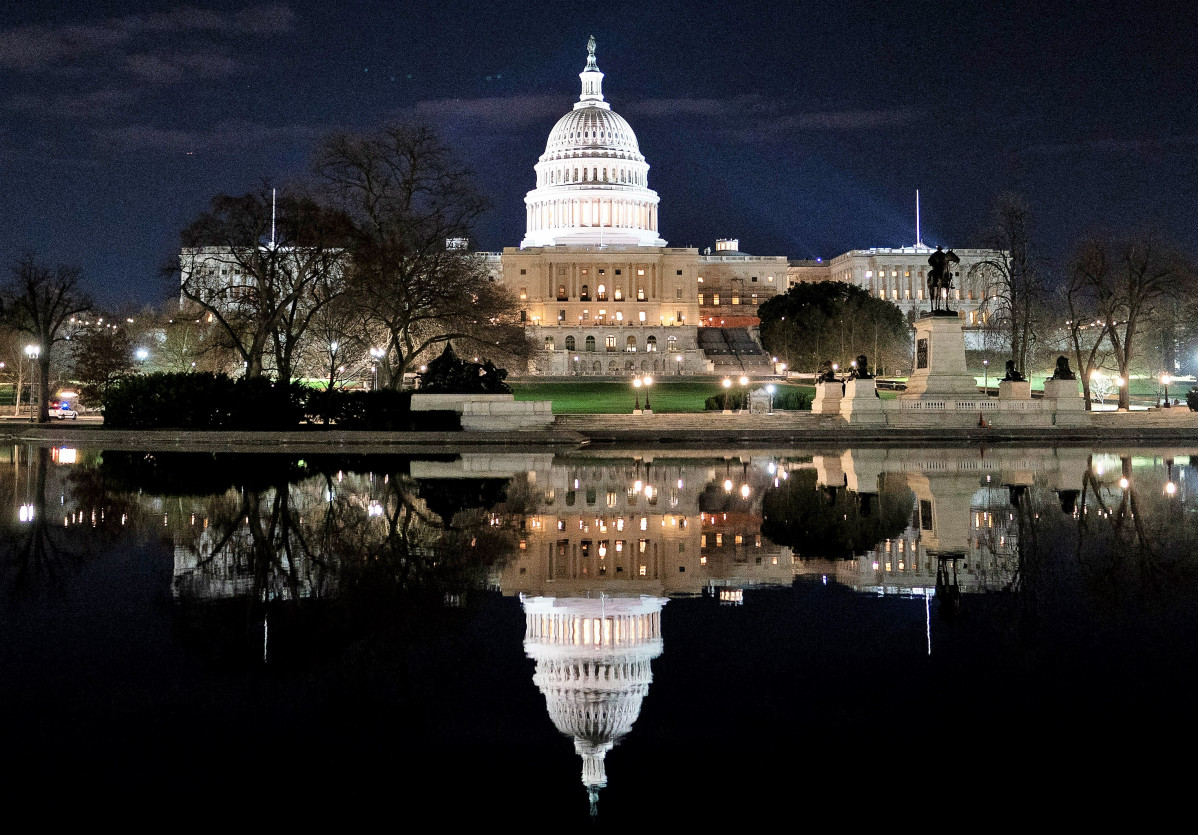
x,y
142,354
727,395
744,393
33,352
1165,380
636,384
770,389
986,376
648,382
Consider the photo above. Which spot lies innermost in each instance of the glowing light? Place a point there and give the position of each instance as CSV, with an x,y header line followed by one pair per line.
x,y
744,491
1123,482
1170,488
728,485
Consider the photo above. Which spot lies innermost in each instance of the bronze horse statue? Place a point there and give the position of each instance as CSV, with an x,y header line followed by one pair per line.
x,y
940,278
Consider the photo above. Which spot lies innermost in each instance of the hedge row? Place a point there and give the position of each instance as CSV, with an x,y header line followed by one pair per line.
x,y
785,400
216,401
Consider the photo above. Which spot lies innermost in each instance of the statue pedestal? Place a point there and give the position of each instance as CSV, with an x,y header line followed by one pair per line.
x,y
861,404
1065,400
827,398
1011,390
940,362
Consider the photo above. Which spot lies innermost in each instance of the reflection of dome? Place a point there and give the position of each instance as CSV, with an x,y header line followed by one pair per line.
x,y
592,660
592,181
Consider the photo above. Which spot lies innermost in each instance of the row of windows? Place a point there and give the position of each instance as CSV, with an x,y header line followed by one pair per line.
x,y
600,293
609,344
595,174
715,299
601,317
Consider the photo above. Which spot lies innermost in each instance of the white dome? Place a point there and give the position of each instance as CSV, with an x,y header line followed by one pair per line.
x,y
592,181
592,132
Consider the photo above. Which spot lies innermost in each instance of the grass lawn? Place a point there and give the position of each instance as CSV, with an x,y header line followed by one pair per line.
x,y
605,398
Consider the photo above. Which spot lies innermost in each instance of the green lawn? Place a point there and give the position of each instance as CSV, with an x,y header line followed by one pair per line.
x,y
605,398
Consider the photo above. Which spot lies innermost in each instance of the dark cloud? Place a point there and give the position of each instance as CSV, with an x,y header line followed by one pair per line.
x,y
231,133
93,104
494,113
767,118
35,48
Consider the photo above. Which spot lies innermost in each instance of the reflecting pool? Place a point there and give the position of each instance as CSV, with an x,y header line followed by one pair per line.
x,y
606,637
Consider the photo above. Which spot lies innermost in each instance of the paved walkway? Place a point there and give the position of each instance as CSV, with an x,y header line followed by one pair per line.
x,y
1169,426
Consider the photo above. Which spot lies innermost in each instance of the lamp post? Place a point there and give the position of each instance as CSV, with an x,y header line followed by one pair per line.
x,y
1165,380
744,392
986,377
376,354
648,382
33,352
727,396
636,384
678,364
770,389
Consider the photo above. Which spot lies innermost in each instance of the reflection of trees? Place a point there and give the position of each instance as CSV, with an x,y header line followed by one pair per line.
x,y
37,551
332,555
1132,542
833,523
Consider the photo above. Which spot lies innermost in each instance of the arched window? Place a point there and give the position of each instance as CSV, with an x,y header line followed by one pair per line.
x,y
629,366
576,175
549,343
561,293
651,343
586,294
612,367
601,293
605,175
570,343
597,367
591,344
584,175
630,345
672,344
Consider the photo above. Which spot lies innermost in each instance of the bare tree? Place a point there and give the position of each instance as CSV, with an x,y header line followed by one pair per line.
x,y
1014,287
262,274
1085,328
408,198
42,301
1130,277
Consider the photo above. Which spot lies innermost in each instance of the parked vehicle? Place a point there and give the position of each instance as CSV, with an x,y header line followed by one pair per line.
x,y
63,411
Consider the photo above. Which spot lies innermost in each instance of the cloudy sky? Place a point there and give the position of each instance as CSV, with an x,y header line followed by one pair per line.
x,y
801,128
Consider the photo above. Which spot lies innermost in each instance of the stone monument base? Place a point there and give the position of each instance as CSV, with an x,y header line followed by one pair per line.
x,y
940,361
827,398
861,405
1014,390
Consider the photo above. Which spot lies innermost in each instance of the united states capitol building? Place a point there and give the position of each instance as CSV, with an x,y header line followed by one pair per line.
x,y
603,293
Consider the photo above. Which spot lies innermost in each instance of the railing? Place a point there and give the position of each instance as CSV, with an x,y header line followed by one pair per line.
x,y
971,405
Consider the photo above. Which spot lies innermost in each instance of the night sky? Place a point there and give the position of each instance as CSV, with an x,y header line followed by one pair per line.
x,y
801,128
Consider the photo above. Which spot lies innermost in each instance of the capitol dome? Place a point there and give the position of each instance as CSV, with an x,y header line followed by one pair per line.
x,y
592,180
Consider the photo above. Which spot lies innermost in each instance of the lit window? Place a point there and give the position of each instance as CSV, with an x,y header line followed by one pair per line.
x,y
642,315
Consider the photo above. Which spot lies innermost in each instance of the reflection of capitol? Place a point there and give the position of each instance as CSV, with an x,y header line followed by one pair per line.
x,y
665,527
592,657
966,510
